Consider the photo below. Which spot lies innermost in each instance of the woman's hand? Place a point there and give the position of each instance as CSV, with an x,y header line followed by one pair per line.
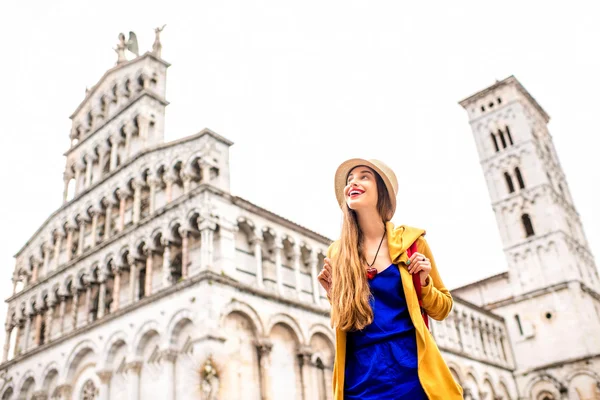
x,y
324,277
418,263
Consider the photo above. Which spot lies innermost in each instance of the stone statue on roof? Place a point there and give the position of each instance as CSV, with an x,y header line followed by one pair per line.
x,y
157,46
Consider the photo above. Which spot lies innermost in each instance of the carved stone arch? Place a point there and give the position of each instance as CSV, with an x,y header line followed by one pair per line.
x,y
457,371
174,326
145,330
586,372
27,376
290,322
247,311
52,366
323,330
80,350
545,377
111,344
503,386
8,392
489,382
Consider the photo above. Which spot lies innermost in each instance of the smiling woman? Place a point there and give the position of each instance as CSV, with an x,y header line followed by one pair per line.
x,y
382,347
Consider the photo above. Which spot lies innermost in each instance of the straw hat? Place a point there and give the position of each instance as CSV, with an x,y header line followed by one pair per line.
x,y
385,172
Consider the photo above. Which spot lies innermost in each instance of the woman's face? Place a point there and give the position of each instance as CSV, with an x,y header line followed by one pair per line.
x,y
361,189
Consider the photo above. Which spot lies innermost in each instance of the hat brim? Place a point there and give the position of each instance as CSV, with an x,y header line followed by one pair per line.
x,y
341,176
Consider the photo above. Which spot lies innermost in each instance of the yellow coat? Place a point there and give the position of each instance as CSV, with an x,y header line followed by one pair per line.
x,y
434,374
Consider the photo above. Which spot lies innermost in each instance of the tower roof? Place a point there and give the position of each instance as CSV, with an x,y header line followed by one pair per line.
x,y
510,81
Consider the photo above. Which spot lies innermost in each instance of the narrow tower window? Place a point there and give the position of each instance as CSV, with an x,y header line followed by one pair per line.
x,y
509,182
518,321
495,142
509,135
520,178
501,134
526,220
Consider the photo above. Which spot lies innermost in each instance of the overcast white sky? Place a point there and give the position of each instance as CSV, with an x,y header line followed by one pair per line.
x,y
300,86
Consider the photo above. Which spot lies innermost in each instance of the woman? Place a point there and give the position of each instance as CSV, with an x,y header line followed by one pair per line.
x,y
383,348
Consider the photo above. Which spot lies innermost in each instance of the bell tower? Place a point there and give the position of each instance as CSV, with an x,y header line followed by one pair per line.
x,y
541,231
552,283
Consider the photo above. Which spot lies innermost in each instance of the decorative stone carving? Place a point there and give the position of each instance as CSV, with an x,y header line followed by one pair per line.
x,y
209,384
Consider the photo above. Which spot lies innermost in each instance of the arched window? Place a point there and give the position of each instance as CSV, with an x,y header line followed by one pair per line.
x,y
518,321
509,182
495,142
509,135
501,134
519,178
526,220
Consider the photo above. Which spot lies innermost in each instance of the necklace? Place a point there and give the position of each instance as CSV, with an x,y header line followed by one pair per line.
x,y
371,272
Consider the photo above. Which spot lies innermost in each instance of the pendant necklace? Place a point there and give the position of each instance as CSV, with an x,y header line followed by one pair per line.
x,y
371,272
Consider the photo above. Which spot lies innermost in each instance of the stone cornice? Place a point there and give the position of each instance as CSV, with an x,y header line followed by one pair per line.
x,y
501,275
208,276
558,364
92,91
532,294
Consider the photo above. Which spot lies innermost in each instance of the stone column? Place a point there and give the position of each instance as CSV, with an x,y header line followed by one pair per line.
x,y
207,228
264,347
113,151
116,289
148,282
104,377
28,315
122,194
297,276
169,178
101,156
101,294
49,318
314,259
278,248
167,359
35,272
128,129
108,219
152,182
257,243
75,309
88,170
9,329
61,315
166,267
305,354
37,338
18,338
133,372
81,236
47,247
88,299
184,252
187,179
137,200
456,321
57,246
133,279
94,213
77,167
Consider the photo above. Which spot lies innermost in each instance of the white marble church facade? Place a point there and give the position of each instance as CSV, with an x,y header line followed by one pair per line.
x,y
153,281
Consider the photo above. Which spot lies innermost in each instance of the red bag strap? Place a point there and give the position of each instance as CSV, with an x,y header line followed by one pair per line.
x,y
417,282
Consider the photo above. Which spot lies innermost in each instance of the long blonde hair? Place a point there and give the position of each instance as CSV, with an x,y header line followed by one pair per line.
x,y
350,292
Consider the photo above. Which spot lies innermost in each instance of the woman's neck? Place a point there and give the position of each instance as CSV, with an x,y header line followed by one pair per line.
x,y
370,224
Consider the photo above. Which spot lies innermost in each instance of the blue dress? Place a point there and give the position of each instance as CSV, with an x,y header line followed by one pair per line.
x,y
381,360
